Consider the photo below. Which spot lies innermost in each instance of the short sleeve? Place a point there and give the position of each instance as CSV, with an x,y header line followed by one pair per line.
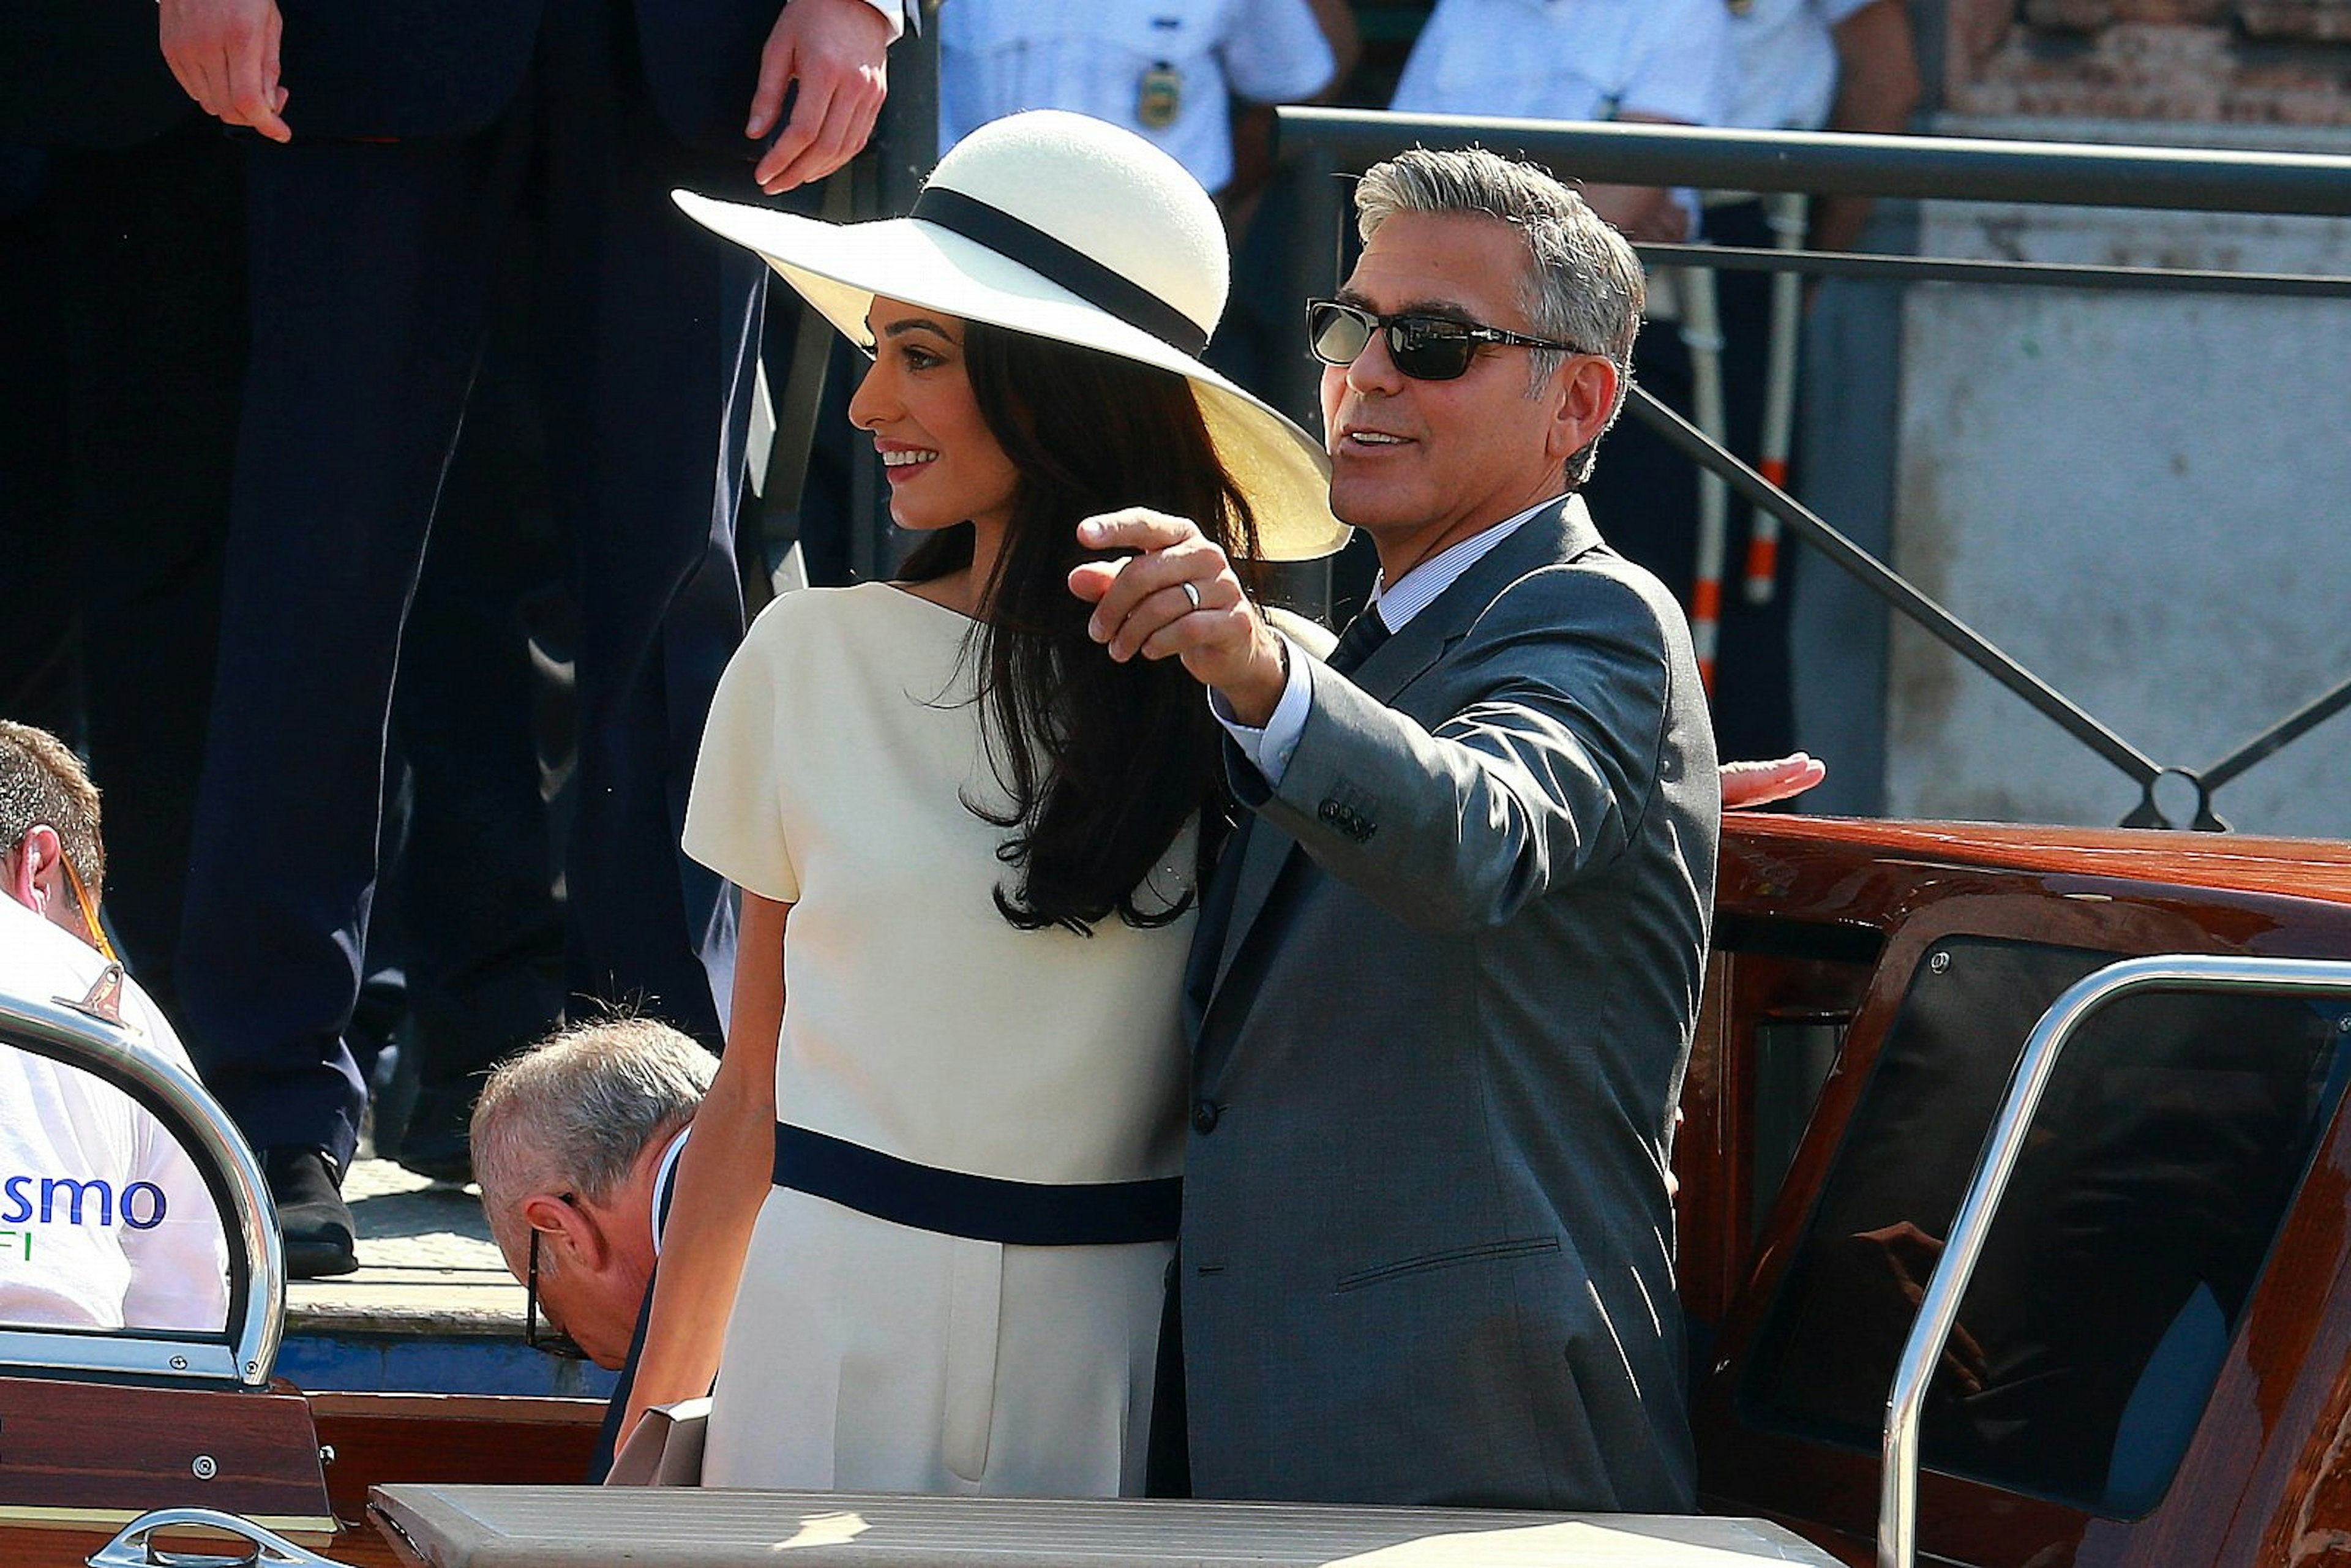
x,y
734,818
1683,71
1274,52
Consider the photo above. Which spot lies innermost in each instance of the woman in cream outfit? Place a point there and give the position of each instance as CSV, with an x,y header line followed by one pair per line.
x,y
936,1178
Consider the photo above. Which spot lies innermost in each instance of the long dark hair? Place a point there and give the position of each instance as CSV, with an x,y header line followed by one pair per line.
x,y
1101,762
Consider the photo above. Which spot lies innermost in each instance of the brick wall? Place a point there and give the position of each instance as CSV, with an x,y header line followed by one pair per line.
x,y
2239,62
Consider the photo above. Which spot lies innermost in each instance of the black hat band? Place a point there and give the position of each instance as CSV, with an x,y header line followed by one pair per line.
x,y
1081,274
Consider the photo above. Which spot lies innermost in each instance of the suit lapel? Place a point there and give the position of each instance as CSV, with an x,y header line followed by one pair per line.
x,y
1394,664
1268,851
1558,533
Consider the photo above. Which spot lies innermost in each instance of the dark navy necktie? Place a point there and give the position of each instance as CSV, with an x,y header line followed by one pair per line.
x,y
1362,638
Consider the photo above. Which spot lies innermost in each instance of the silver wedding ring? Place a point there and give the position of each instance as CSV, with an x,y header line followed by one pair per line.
x,y
1192,592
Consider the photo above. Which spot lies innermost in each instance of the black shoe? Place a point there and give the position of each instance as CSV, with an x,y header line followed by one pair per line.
x,y
319,1236
436,1142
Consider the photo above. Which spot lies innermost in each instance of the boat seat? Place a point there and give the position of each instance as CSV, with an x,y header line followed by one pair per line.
x,y
555,1527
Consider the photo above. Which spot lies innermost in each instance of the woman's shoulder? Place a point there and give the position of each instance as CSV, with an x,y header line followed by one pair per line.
x,y
864,612
798,607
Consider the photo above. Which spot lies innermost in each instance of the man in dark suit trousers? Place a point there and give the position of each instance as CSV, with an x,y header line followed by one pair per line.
x,y
407,140
1445,979
115,453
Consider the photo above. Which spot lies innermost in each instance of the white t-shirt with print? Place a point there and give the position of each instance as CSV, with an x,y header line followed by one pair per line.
x,y
104,1222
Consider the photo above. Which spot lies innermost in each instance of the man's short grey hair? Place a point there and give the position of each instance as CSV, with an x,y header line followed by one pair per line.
x,y
1582,286
43,783
573,1113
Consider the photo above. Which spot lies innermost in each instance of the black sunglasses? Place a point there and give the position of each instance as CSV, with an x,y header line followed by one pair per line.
x,y
548,1342
1426,348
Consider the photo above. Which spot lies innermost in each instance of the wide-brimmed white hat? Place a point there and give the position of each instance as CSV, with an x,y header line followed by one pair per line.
x,y
1072,229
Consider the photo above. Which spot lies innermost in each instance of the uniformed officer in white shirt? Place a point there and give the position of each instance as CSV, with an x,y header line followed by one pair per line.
x,y
1656,61
1662,61
1799,65
1169,71
1802,65
1760,64
1810,65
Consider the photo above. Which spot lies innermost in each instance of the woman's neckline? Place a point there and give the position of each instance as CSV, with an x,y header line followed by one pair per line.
x,y
907,590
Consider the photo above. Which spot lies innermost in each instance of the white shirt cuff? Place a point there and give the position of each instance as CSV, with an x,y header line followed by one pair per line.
x,y
893,12
1269,749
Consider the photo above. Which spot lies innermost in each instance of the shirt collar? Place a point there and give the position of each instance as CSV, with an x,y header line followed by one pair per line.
x,y
665,1174
1419,588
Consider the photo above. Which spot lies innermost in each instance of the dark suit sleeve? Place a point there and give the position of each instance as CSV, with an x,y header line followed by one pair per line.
x,y
1540,775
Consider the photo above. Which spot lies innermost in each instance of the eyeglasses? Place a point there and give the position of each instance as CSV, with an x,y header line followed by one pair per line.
x,y
551,1341
1426,348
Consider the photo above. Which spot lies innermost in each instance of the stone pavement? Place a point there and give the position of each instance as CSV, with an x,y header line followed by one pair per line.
x,y
426,1264
430,1310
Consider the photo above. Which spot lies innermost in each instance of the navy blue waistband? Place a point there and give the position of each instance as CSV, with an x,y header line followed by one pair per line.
x,y
984,1209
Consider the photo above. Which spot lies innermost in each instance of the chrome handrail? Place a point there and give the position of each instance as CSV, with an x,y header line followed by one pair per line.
x,y
1897,1499
64,1033
134,1546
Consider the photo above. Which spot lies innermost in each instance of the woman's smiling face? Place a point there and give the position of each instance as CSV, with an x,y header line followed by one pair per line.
x,y
944,463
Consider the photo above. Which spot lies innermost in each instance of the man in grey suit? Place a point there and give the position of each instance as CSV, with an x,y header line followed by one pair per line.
x,y
1444,986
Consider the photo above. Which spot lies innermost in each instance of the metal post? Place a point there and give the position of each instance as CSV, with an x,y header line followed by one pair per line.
x,y
1312,267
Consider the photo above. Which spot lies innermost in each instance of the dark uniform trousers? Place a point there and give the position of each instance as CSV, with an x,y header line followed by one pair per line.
x,y
122,341
376,238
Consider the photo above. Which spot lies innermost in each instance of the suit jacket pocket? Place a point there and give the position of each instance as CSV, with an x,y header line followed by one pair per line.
x,y
1449,1258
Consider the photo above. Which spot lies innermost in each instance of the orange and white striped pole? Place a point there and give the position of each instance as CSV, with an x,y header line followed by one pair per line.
x,y
1702,332
1785,214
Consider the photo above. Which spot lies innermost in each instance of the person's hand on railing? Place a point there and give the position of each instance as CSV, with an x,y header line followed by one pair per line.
x,y
1746,784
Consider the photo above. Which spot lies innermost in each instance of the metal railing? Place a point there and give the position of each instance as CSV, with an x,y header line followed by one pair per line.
x,y
245,1351
1938,1311
1324,142
1840,163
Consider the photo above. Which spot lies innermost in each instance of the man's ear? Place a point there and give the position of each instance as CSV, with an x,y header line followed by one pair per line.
x,y
36,870
567,1229
1585,389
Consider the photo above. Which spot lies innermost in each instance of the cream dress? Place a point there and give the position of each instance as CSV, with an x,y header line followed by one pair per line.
x,y
862,1354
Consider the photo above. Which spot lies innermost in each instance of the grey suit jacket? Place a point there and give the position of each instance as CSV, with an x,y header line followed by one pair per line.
x,y
1427,1246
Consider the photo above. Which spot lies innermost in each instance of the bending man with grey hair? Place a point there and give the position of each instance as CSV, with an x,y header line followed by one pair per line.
x,y
1446,976
574,1140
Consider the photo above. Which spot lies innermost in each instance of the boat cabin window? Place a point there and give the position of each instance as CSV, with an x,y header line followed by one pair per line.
x,y
1793,987
1793,1059
2156,1176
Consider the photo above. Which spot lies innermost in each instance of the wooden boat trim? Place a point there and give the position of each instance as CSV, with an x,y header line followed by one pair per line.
x,y
310,1529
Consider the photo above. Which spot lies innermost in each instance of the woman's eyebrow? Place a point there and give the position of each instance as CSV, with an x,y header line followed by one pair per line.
x,y
899,329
